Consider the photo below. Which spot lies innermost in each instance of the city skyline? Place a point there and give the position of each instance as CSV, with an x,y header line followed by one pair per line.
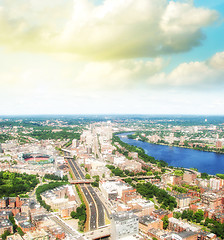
x,y
112,57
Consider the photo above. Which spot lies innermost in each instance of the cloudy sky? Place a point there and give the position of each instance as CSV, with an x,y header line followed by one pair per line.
x,y
111,56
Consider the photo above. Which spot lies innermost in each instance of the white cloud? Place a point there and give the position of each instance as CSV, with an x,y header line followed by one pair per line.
x,y
38,74
117,74
114,29
203,74
217,61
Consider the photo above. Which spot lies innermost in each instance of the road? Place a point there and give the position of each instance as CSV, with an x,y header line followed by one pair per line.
x,y
73,234
101,220
96,207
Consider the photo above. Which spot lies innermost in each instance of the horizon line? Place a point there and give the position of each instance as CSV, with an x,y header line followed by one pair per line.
x,y
111,114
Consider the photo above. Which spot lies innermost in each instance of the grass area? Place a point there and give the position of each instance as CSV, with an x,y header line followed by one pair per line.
x,y
70,174
107,220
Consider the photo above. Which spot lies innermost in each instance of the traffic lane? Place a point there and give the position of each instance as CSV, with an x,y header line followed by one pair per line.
x,y
77,173
78,169
92,208
101,220
77,176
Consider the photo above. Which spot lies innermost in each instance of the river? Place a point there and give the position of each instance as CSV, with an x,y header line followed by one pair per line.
x,y
208,162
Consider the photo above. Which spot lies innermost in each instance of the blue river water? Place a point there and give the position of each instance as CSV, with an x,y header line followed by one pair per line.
x,y
208,162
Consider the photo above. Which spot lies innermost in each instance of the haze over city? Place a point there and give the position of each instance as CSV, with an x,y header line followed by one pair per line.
x,y
112,56
112,119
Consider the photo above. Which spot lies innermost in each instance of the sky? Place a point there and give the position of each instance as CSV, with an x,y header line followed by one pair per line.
x,y
111,57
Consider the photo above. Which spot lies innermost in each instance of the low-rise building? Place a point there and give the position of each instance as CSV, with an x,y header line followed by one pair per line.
x,y
211,200
206,236
177,225
37,235
61,199
185,235
115,189
147,222
133,155
161,213
145,207
5,224
131,165
26,226
189,176
15,236
159,234
183,200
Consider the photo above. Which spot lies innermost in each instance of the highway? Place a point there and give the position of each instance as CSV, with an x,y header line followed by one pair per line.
x,y
93,208
95,204
101,220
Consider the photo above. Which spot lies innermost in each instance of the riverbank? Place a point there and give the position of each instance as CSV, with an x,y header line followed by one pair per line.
x,y
174,145
171,145
206,162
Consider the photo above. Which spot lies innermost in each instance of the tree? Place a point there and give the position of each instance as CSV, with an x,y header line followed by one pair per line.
x,y
184,214
190,215
73,214
87,176
6,175
163,206
5,234
20,231
178,172
128,180
171,206
177,215
199,216
204,176
149,173
165,222
95,184
97,177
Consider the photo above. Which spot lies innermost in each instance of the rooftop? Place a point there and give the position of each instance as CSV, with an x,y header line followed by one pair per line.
x,y
184,225
5,223
122,216
26,224
186,234
147,219
113,186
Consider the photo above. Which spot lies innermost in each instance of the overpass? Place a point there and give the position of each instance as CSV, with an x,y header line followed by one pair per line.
x,y
80,181
103,232
67,153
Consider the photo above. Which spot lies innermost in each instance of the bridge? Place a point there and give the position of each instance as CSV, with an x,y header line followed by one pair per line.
x,y
67,153
103,232
80,181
